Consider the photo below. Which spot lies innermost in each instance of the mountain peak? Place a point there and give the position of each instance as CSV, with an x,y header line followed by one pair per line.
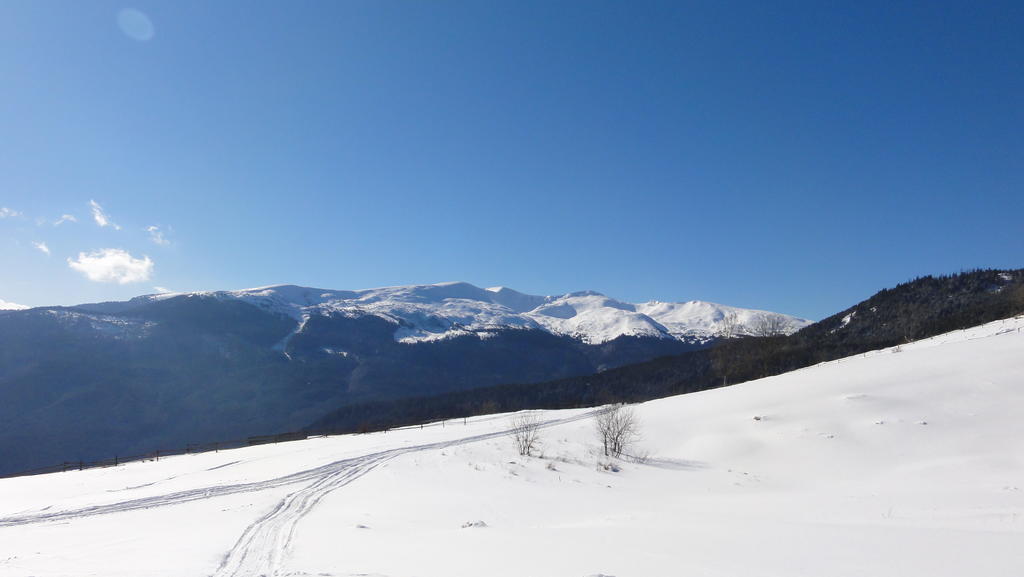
x,y
448,309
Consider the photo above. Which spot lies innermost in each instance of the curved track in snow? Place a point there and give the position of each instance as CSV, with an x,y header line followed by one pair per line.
x,y
264,545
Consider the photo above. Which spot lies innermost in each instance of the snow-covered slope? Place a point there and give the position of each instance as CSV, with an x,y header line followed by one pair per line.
x,y
902,462
429,312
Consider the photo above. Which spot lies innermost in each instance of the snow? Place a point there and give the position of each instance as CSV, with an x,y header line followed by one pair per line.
x,y
900,462
446,310
594,318
705,320
846,320
9,306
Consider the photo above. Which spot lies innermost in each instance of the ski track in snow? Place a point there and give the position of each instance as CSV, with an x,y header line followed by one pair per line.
x,y
265,544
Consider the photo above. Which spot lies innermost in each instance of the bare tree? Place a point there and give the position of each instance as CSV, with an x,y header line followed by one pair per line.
x,y
728,326
770,325
525,433
617,427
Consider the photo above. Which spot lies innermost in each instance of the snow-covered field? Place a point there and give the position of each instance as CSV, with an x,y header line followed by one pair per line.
x,y
895,463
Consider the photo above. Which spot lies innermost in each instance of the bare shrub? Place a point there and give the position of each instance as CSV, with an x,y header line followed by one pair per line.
x,y
525,433
617,427
728,326
770,326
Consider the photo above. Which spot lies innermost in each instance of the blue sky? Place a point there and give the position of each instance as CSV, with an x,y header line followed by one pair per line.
x,y
792,157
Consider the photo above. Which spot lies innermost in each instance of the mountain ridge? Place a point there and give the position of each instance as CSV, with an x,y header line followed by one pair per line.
x,y
445,310
920,308
161,371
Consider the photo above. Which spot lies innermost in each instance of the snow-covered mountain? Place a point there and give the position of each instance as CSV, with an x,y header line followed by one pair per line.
x,y
440,311
186,367
900,462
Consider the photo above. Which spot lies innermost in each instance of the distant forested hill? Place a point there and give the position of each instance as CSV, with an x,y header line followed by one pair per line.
x,y
114,379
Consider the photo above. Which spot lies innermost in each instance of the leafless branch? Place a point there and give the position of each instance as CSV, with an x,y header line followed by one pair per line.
x,y
525,433
618,428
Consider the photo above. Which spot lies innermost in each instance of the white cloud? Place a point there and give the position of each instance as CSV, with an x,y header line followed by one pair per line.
x,y
9,306
42,247
8,213
112,265
101,217
65,218
157,236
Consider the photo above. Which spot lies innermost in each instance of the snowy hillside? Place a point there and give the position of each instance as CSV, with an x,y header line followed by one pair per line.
x,y
430,312
900,462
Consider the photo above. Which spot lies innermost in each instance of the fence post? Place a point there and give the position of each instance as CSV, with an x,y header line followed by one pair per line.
x,y
81,465
115,460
